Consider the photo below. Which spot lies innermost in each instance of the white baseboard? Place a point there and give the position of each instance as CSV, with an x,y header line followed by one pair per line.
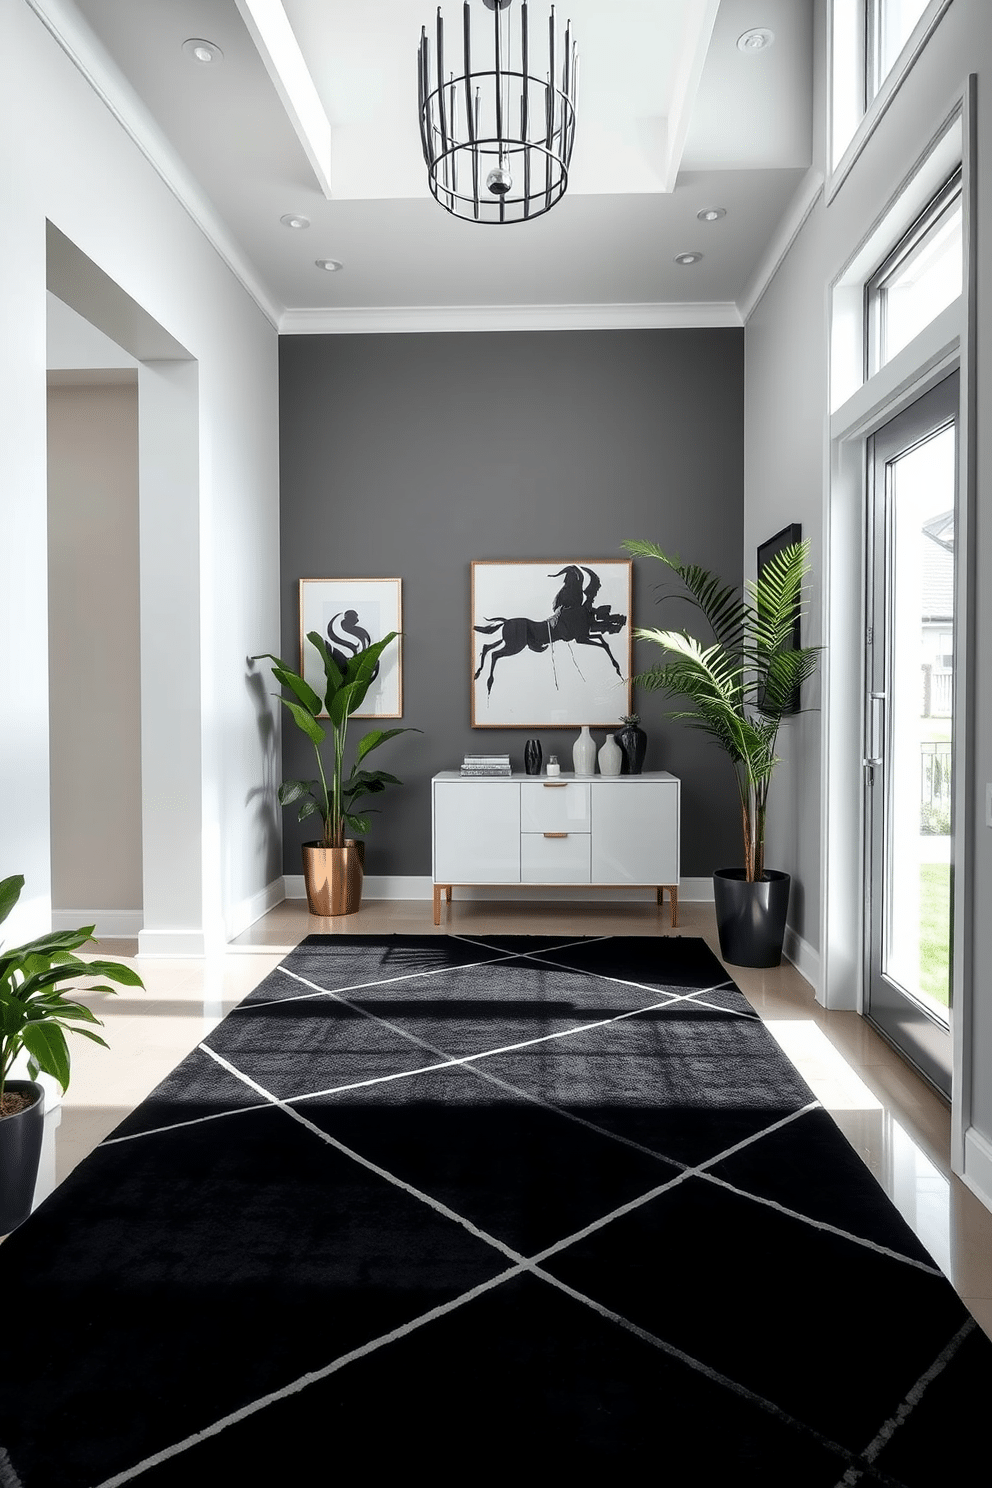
x,y
112,924
417,886
172,943
978,1165
804,957
247,911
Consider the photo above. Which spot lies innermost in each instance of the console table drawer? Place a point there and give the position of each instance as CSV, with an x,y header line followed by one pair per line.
x,y
554,807
555,860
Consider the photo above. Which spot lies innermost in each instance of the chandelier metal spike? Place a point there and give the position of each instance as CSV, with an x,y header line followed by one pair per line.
x,y
498,137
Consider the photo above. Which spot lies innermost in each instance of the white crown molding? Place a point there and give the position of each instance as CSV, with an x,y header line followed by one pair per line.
x,y
394,319
77,41
808,193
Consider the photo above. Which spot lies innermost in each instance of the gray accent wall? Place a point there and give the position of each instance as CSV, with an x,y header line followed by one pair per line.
x,y
412,455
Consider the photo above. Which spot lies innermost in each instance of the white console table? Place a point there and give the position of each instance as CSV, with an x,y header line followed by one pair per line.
x,y
617,831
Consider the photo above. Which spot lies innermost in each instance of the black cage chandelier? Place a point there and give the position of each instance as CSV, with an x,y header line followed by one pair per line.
x,y
497,136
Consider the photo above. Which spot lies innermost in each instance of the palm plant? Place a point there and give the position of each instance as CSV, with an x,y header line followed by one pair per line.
x,y
35,1013
743,684
345,691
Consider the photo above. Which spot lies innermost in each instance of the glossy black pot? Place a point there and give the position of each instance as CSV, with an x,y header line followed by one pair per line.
x,y
750,917
20,1155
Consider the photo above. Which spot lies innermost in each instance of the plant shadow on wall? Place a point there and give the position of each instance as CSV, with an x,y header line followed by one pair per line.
x,y
35,1015
740,688
333,867
264,796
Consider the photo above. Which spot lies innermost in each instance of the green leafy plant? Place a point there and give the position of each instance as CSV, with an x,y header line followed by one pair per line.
x,y
335,798
35,1012
743,684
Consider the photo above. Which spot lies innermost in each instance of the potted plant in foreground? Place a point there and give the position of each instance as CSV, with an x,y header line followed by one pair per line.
x,y
35,1015
333,867
740,687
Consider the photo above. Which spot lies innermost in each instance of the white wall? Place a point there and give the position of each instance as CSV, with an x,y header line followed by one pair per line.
x,y
67,160
93,650
786,449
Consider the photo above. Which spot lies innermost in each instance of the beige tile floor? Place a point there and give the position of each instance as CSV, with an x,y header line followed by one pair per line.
x,y
895,1122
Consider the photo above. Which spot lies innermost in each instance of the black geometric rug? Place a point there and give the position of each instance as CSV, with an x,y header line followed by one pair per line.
x,y
455,1209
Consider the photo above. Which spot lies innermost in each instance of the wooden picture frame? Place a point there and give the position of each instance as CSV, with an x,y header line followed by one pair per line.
x,y
350,614
551,642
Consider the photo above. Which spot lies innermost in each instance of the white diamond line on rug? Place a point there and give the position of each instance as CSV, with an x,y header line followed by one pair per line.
x,y
470,1062
687,1169
714,1375
416,1193
407,976
312,1378
908,1405
539,959
522,1264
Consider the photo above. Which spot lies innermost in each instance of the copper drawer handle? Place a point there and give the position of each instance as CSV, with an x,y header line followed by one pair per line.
x,y
556,834
554,784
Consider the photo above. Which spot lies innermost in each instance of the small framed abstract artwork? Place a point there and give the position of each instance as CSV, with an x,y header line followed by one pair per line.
x,y
551,642
351,614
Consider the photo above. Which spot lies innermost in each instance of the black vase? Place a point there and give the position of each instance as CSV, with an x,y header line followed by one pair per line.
x,y
533,755
20,1155
633,743
750,917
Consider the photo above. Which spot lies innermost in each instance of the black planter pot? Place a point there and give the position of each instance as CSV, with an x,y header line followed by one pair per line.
x,y
750,917
633,743
20,1154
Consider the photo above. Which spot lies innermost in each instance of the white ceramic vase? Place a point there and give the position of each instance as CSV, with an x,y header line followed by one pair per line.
x,y
610,757
584,753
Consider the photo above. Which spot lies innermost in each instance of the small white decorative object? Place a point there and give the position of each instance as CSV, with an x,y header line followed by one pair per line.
x,y
610,757
584,752
554,768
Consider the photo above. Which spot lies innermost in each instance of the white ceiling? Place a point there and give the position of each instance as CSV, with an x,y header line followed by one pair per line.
x,y
666,98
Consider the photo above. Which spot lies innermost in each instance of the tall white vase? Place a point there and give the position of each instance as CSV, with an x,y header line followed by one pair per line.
x,y
584,753
610,757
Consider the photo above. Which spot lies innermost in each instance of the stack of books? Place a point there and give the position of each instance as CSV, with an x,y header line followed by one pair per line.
x,y
486,764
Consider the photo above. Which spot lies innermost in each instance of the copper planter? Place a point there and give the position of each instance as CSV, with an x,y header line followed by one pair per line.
x,y
333,878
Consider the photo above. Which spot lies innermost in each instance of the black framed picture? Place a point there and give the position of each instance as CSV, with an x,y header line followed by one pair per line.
x,y
768,550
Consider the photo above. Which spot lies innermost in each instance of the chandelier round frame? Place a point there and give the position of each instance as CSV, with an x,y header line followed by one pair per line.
x,y
497,140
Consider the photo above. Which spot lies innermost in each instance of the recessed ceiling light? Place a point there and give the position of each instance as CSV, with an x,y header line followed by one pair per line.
x,y
688,258
330,264
202,52
295,219
711,214
758,39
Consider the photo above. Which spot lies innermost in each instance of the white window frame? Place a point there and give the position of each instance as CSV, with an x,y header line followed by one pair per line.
x,y
864,407
847,60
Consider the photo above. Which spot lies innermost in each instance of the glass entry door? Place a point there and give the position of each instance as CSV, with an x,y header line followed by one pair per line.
x,y
909,729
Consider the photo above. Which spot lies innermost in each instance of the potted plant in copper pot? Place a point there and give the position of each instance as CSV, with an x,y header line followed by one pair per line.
x,y
35,1015
333,866
740,687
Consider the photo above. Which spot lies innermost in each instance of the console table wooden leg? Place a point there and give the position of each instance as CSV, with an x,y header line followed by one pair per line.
x,y
437,903
673,900
447,893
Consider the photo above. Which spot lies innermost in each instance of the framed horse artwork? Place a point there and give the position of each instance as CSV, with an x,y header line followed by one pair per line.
x,y
350,614
551,642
